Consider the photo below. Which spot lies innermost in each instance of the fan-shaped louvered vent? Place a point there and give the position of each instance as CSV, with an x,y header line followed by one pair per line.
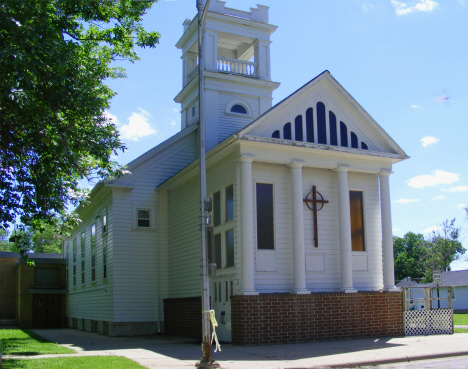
x,y
336,136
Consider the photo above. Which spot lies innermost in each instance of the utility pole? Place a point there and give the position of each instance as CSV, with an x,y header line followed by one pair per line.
x,y
207,360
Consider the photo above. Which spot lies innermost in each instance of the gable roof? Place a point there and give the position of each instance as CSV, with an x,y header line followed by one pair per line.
x,y
372,124
455,278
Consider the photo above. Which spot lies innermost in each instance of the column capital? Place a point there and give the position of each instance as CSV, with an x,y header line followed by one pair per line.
x,y
245,159
342,168
385,173
295,164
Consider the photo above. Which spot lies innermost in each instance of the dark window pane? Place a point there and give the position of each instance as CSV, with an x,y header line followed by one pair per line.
x,y
144,223
357,220
265,229
217,242
143,214
238,109
321,123
209,244
298,128
364,146
343,134
310,124
229,203
333,132
276,134
287,135
230,248
217,208
354,140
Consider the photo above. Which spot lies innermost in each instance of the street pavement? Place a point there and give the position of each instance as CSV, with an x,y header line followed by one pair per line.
x,y
176,352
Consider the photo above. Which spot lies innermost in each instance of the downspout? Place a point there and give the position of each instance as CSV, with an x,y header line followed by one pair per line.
x,y
158,261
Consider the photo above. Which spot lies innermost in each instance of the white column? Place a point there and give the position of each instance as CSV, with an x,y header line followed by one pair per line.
x,y
346,257
298,229
247,244
262,58
210,51
387,238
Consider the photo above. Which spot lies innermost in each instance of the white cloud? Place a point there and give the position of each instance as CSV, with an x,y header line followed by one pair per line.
x,y
176,110
367,7
462,206
113,118
420,6
138,126
431,229
440,197
435,178
456,189
428,140
173,123
406,201
415,106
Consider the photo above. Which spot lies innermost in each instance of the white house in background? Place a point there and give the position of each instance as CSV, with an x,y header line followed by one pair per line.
x,y
458,280
138,245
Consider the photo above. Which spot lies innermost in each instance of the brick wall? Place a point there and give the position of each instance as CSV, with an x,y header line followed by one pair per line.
x,y
182,317
284,318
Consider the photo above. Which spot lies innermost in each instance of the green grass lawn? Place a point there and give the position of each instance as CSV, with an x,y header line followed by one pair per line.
x,y
21,342
88,362
460,319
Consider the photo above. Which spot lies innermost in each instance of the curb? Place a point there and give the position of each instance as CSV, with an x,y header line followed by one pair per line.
x,y
390,361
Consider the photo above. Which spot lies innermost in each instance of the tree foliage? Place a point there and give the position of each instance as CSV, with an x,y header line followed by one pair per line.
x,y
417,257
56,56
26,239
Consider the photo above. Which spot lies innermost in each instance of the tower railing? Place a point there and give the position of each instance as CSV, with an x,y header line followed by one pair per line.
x,y
237,67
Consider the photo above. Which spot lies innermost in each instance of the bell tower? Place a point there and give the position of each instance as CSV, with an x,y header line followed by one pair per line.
x,y
238,86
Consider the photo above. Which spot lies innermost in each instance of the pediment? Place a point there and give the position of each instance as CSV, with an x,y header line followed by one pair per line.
x,y
323,112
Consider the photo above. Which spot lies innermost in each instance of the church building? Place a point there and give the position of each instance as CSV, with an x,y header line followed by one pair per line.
x,y
301,229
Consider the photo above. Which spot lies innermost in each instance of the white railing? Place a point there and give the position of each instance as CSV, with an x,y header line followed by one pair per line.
x,y
192,73
239,67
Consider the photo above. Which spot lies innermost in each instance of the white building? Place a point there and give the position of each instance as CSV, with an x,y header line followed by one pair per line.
x,y
139,239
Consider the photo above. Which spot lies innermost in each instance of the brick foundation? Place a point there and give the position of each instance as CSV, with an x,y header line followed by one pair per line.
x,y
182,317
284,318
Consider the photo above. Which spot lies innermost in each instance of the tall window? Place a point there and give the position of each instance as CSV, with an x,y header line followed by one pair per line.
x,y
66,259
265,225
104,223
82,257
357,220
104,258
93,252
223,227
74,262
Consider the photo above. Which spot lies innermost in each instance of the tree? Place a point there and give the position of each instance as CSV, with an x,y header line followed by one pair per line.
x,y
407,252
56,56
442,248
26,239
47,240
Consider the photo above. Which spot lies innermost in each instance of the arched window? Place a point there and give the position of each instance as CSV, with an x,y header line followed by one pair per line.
x,y
239,109
364,146
287,131
343,134
310,124
276,134
321,123
298,128
333,133
354,140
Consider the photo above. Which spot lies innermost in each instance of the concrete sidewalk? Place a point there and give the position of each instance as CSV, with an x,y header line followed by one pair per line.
x,y
175,352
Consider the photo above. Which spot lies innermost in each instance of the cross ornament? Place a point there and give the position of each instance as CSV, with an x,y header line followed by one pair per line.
x,y
312,204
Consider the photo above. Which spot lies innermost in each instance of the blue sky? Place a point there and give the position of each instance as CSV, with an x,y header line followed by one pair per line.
x,y
404,62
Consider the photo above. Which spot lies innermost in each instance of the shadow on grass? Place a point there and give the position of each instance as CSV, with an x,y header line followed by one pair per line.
x,y
24,342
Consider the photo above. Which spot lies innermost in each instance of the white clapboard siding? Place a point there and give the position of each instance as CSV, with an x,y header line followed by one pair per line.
x,y
184,235
93,299
229,124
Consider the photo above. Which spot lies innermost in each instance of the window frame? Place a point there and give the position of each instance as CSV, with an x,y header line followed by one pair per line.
x,y
241,102
364,222
223,228
138,209
93,253
74,260
83,256
275,243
